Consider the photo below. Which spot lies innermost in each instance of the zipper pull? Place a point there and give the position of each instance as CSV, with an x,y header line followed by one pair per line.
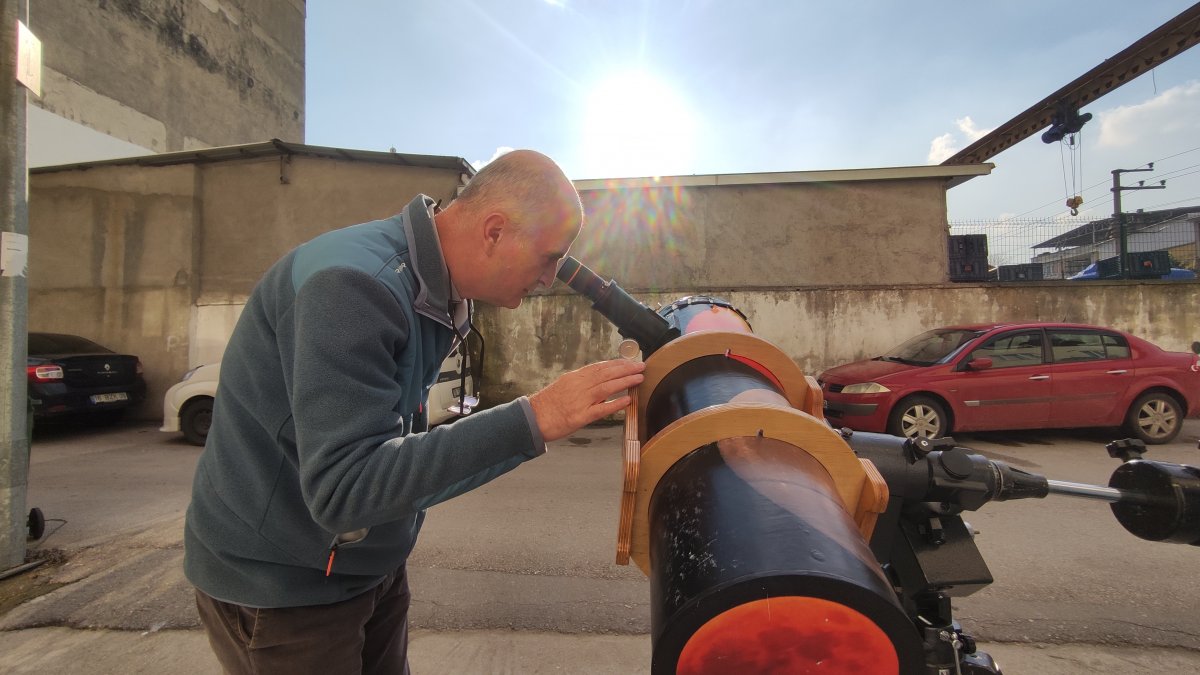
x,y
332,552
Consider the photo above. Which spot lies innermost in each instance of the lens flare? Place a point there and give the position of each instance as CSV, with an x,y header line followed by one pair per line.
x,y
660,220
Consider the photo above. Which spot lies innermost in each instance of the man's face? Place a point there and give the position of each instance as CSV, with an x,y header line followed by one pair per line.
x,y
529,258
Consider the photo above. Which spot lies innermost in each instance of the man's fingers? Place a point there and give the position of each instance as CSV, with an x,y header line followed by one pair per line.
x,y
607,389
609,377
607,370
580,397
606,408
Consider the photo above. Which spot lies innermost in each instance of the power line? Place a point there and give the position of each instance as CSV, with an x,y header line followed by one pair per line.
x,y
1172,173
1177,201
1177,154
1104,182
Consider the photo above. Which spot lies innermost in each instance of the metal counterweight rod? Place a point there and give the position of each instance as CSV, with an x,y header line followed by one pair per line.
x,y
1107,494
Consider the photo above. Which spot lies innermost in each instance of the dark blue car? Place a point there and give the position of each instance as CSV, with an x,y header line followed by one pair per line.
x,y
70,375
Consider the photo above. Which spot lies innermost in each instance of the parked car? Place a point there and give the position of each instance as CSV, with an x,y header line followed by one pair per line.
x,y
68,375
1017,376
188,404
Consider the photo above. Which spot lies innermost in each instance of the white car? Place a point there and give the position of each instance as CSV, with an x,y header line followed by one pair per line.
x,y
188,404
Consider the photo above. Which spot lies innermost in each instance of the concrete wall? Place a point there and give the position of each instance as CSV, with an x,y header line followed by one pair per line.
x,y
112,258
158,261
846,233
173,75
243,233
821,327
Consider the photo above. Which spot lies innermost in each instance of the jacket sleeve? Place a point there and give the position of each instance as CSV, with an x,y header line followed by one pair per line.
x,y
356,468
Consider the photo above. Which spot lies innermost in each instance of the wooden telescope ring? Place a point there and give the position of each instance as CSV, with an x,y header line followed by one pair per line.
x,y
801,392
860,487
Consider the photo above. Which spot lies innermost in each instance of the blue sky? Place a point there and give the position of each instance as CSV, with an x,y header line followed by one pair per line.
x,y
650,87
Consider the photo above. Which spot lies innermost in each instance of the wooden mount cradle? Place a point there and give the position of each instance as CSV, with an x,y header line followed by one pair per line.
x,y
860,487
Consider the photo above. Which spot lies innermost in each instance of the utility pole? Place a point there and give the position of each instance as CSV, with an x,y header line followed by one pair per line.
x,y
14,293
1122,232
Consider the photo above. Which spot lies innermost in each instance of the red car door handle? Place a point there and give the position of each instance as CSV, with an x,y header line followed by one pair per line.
x,y
1039,377
1117,372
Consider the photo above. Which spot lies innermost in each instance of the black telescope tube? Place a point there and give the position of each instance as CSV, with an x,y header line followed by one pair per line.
x,y
632,319
1173,515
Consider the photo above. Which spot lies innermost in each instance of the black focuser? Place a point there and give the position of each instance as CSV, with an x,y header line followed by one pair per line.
x,y
936,470
632,319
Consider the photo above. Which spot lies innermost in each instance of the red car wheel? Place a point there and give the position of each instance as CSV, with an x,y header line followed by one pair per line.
x,y
1155,418
918,416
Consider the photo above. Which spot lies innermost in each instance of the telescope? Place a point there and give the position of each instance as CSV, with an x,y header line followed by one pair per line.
x,y
775,543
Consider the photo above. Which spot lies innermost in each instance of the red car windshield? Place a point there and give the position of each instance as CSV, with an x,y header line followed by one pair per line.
x,y
931,347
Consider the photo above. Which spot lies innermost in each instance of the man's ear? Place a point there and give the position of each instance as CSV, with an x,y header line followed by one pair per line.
x,y
495,227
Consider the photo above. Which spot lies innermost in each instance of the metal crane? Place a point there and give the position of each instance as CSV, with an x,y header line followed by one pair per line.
x,y
1061,108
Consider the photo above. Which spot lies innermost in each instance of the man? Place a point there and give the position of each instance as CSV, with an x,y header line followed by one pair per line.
x,y
317,472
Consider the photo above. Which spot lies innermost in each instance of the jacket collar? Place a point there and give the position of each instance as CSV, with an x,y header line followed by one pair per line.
x,y
429,265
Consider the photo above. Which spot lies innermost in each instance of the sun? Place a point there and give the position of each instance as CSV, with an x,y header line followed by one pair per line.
x,y
637,125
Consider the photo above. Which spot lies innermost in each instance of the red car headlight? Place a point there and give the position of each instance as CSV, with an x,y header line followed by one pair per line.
x,y
865,388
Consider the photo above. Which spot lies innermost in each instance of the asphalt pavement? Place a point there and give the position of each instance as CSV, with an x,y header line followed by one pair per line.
x,y
517,577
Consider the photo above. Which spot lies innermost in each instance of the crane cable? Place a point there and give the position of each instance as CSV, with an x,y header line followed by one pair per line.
x,y
1074,192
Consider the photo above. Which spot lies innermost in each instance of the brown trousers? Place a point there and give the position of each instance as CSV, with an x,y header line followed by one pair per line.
x,y
365,635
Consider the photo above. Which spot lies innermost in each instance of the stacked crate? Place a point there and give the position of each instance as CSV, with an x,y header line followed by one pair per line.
x,y
1027,272
968,257
1142,265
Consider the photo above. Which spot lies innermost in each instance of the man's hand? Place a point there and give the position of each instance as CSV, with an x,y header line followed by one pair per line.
x,y
581,397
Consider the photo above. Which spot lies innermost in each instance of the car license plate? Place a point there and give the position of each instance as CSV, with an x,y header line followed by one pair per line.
x,y
110,398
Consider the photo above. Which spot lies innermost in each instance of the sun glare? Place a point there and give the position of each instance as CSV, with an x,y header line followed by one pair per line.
x,y
636,125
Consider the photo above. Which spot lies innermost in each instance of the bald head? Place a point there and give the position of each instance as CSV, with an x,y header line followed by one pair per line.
x,y
521,181
503,234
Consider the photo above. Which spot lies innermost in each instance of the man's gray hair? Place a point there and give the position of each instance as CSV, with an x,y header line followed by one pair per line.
x,y
520,181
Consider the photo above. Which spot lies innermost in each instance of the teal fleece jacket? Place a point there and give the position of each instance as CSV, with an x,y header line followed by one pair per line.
x,y
319,438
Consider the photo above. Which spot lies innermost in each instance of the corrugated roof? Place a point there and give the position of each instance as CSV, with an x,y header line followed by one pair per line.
x,y
954,175
272,148
1105,228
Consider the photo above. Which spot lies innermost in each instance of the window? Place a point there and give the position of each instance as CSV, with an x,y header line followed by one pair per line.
x,y
1116,347
1073,346
1010,350
931,347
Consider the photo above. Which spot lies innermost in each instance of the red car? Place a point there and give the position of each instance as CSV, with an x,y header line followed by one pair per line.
x,y
988,377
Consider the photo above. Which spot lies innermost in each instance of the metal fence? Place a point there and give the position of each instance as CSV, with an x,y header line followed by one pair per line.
x,y
1063,247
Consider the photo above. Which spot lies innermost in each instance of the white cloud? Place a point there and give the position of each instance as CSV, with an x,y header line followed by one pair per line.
x,y
972,132
944,146
502,150
1175,110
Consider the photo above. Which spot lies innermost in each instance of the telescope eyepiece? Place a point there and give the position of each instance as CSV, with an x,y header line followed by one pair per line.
x,y
632,319
581,279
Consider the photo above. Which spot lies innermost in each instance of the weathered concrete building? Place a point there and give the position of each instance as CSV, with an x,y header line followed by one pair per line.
x,y
168,75
156,255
